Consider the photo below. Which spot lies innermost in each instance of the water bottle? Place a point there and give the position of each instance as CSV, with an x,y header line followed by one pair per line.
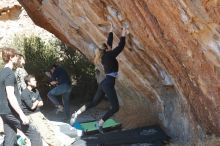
x,y
21,141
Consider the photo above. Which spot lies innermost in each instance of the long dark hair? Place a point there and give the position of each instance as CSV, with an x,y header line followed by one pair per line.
x,y
100,52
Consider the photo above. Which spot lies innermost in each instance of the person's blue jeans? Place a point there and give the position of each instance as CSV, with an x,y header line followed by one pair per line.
x,y
63,90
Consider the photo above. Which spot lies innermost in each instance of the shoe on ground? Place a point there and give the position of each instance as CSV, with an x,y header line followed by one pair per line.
x,y
100,128
73,118
59,109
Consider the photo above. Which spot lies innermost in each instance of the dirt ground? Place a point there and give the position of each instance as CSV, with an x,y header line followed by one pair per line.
x,y
92,114
50,112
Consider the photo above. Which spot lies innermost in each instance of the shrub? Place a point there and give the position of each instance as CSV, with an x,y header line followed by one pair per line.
x,y
40,55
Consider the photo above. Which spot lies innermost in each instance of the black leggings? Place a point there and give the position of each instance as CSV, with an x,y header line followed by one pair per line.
x,y
106,87
11,124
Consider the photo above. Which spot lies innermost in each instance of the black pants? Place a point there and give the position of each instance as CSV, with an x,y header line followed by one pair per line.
x,y
106,87
11,124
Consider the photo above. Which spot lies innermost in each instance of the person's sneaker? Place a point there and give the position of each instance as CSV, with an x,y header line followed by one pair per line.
x,y
73,118
100,128
59,109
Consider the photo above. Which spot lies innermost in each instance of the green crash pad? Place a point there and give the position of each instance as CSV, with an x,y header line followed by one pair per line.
x,y
149,135
89,127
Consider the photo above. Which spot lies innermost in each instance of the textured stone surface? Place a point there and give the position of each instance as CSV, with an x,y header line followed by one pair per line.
x,y
170,68
14,21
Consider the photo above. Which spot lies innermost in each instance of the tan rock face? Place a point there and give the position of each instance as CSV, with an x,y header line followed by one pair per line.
x,y
170,68
10,13
14,21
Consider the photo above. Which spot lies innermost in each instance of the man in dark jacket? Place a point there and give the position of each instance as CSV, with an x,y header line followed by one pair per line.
x,y
61,80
